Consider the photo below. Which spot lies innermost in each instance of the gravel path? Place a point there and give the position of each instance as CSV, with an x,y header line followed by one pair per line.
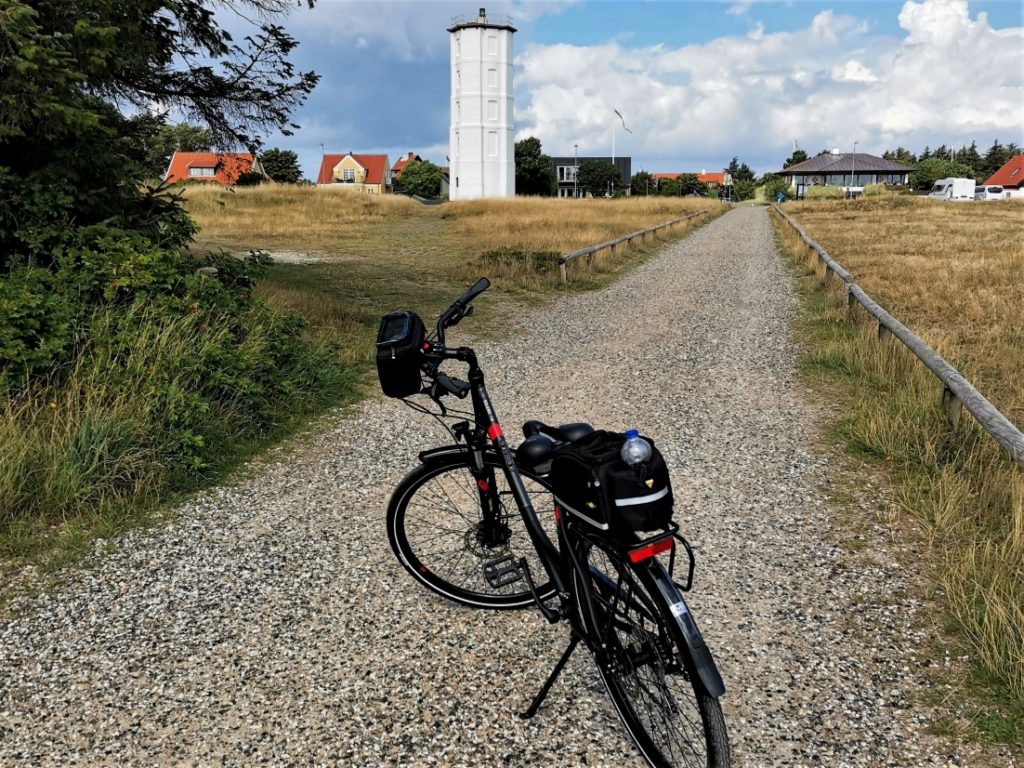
x,y
270,624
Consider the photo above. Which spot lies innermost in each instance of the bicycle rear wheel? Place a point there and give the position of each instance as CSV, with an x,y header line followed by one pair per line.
x,y
435,529
646,669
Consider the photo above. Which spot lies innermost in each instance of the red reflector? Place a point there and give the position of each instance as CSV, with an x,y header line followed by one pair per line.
x,y
650,550
482,485
494,431
558,514
426,346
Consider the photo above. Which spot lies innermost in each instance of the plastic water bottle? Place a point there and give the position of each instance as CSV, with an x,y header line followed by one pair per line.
x,y
635,450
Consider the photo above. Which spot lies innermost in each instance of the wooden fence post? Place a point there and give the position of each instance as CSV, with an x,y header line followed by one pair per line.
x,y
884,334
563,273
951,405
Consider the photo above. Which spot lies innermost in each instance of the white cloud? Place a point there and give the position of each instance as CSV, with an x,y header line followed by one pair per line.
x,y
948,78
853,72
404,30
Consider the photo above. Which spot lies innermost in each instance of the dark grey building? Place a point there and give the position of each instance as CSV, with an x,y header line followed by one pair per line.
x,y
849,171
565,172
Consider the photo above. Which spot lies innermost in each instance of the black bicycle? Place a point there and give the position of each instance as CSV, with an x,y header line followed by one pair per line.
x,y
465,525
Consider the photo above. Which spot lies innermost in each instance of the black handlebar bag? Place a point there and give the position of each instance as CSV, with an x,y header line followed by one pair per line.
x,y
400,353
591,481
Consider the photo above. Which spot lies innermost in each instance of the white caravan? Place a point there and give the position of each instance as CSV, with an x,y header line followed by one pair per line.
x,y
953,189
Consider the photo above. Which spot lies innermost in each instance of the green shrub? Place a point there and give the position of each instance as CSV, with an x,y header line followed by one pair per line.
x,y
515,259
874,190
823,193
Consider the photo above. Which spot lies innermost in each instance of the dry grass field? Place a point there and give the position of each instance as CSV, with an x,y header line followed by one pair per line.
x,y
953,273
376,254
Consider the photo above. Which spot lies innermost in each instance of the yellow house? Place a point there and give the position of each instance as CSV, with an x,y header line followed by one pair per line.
x,y
370,174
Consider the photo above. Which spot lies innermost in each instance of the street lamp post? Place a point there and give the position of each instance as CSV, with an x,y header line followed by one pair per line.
x,y
853,170
575,170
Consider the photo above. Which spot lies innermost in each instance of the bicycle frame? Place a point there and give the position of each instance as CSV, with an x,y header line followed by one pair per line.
x,y
488,433
558,562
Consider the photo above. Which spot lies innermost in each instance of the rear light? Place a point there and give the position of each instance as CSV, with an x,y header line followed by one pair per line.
x,y
647,551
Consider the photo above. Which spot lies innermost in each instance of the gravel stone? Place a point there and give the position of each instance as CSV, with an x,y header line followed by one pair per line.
x,y
269,623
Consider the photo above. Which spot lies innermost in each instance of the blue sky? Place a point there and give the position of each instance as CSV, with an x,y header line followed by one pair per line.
x,y
698,82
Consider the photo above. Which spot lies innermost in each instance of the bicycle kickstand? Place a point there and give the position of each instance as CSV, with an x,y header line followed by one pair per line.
x,y
542,694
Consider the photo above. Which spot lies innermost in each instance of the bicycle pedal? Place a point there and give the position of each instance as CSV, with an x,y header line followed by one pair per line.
x,y
502,571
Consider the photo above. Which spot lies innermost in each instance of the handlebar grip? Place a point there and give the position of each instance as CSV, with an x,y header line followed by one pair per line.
x,y
477,288
455,387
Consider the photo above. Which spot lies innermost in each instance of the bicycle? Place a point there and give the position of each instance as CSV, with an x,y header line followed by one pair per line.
x,y
452,524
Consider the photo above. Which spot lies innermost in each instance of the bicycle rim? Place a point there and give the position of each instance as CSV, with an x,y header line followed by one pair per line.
x,y
434,521
670,717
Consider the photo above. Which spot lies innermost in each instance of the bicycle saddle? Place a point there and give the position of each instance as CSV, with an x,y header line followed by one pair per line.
x,y
534,453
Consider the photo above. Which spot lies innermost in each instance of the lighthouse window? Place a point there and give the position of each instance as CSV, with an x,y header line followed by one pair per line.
x,y
492,45
492,78
492,111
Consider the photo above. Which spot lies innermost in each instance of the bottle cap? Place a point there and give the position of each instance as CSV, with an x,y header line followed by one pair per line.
x,y
631,433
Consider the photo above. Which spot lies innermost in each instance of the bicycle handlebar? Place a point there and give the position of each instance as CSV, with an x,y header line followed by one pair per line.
x,y
474,290
453,386
460,308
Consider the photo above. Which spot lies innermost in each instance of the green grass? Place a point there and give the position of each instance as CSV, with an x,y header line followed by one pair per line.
x,y
151,407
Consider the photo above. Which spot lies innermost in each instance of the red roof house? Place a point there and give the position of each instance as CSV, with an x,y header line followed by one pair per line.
x,y
223,168
713,179
1010,176
362,173
399,166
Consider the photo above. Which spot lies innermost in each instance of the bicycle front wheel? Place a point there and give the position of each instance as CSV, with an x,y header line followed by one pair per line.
x,y
645,666
436,529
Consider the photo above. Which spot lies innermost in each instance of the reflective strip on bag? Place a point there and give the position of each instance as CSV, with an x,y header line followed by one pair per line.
x,y
634,500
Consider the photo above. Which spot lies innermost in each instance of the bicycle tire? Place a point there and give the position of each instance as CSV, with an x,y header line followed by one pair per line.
x,y
670,716
437,503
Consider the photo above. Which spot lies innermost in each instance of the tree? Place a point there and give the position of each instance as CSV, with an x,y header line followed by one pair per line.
x,y
87,74
936,167
421,178
773,185
281,165
739,172
643,183
598,177
535,173
179,137
900,155
668,188
689,184
744,189
798,156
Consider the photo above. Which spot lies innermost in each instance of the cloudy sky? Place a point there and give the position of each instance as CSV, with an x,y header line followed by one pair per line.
x,y
697,82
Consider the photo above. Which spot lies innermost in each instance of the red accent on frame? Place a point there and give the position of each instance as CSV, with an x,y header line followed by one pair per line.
x,y
650,550
494,431
558,514
482,485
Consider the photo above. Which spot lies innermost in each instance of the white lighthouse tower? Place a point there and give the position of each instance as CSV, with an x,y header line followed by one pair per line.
x,y
481,141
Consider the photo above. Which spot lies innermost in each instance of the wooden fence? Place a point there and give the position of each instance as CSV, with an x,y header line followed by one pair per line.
x,y
957,391
613,244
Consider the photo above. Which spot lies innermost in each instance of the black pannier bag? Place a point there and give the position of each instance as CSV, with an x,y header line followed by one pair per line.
x,y
400,353
591,481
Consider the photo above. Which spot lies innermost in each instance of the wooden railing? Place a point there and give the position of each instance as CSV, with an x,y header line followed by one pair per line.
x,y
613,244
957,391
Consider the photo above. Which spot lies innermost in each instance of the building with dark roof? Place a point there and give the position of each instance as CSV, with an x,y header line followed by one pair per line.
x,y
848,170
566,167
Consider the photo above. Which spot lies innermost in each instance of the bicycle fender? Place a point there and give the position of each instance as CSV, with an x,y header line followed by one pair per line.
x,y
442,452
700,654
